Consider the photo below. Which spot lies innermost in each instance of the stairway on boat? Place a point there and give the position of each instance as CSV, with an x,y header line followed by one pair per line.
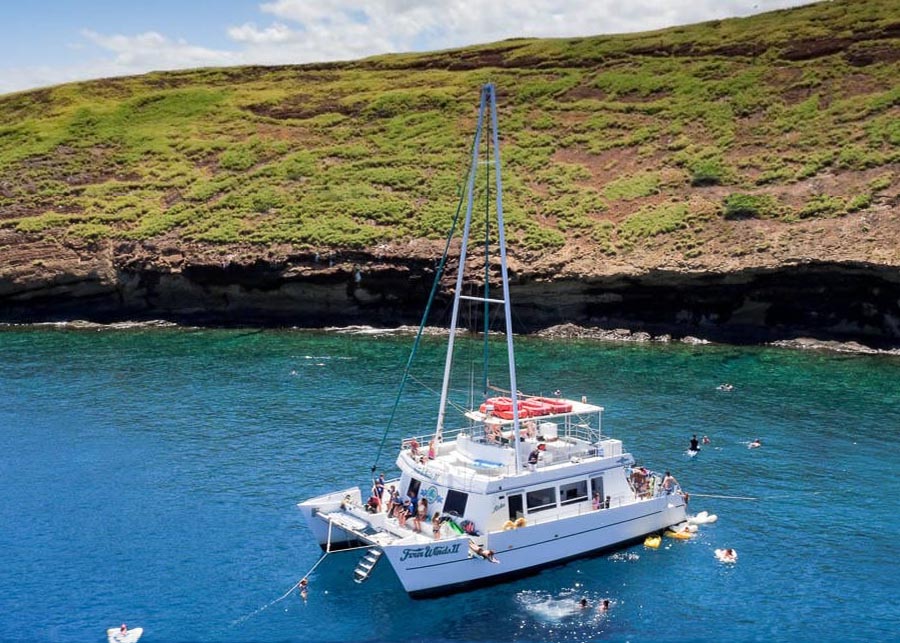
x,y
367,564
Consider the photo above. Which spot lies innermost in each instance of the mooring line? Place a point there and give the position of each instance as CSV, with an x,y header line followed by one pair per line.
x,y
711,495
280,598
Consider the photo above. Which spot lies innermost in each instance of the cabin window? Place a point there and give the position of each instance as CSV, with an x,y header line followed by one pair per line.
x,y
541,499
516,509
456,502
573,492
413,488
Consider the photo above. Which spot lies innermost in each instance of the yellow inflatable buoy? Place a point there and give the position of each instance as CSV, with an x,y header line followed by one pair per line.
x,y
520,522
509,524
680,535
652,542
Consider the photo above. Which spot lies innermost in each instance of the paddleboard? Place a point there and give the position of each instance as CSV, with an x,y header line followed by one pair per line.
x,y
725,558
115,635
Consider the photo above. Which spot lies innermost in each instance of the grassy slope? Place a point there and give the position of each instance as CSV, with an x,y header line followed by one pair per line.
x,y
608,141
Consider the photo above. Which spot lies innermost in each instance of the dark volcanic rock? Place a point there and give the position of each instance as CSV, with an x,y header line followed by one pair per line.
x,y
848,301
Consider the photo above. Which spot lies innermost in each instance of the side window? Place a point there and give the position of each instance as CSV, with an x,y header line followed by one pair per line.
x,y
541,499
456,502
573,492
413,488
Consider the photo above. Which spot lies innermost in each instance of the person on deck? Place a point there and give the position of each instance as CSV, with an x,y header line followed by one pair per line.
x,y
669,483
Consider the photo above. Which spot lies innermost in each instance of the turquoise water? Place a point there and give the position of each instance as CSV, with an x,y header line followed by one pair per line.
x,y
151,476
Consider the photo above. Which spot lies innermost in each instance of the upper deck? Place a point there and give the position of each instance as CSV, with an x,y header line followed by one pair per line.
x,y
480,457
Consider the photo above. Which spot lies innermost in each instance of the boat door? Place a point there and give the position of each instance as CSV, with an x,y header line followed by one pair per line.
x,y
516,506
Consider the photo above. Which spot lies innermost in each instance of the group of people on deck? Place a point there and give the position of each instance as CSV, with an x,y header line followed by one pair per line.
x,y
404,509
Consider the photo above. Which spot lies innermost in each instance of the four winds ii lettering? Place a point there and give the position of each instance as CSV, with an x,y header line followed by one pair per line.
x,y
429,550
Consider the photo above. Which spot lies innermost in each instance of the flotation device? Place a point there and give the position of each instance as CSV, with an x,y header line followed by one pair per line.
x,y
652,541
702,518
455,528
509,524
502,407
556,405
723,556
680,535
537,407
520,522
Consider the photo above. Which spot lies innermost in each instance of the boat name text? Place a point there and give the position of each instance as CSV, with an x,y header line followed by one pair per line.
x,y
428,551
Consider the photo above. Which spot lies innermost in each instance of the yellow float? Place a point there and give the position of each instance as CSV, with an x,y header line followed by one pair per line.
x,y
653,541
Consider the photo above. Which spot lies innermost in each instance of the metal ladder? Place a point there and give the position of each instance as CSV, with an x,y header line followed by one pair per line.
x,y
367,564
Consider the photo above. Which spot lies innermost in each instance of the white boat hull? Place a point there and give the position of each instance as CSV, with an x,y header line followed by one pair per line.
x,y
447,565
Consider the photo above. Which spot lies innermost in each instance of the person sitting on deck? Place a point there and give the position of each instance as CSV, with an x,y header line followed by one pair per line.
x,y
405,511
595,502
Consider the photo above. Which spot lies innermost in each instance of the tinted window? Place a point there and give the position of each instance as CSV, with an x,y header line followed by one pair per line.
x,y
573,492
456,502
541,499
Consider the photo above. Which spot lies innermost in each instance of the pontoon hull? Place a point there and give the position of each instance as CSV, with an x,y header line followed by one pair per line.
x,y
447,565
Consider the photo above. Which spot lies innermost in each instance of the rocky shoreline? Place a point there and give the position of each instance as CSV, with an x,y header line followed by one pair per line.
x,y
561,332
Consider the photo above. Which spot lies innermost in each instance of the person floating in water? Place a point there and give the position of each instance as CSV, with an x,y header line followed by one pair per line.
x,y
604,606
695,443
755,444
304,588
705,439
123,629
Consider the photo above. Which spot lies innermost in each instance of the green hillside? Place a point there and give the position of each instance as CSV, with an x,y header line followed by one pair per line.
x,y
607,141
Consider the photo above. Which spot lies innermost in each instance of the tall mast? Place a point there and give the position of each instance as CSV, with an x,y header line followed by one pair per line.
x,y
470,188
501,238
488,96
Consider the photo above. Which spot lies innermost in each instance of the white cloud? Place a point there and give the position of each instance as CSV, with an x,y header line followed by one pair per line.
x,y
277,33
305,31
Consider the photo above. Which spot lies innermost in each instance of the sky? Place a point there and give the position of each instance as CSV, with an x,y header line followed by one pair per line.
x,y
47,42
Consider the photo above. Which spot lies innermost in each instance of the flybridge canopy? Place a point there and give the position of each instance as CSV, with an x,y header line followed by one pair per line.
x,y
578,408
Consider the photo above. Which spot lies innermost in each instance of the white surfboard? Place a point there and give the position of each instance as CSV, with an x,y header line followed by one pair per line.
x,y
114,634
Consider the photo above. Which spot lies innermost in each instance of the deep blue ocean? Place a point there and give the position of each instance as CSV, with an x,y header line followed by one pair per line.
x,y
151,476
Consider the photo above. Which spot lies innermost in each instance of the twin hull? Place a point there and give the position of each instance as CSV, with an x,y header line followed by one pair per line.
x,y
447,564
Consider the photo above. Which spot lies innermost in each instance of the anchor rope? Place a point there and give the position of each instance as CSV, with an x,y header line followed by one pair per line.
x,y
245,618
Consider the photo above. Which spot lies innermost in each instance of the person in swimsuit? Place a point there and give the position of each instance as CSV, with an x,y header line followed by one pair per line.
x,y
436,525
695,444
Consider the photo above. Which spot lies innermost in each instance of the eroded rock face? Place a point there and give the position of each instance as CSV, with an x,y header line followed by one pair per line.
x,y
48,281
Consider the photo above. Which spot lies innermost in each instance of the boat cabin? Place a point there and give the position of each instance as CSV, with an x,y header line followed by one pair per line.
x,y
480,475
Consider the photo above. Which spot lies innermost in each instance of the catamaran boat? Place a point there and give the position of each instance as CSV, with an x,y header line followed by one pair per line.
x,y
521,482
